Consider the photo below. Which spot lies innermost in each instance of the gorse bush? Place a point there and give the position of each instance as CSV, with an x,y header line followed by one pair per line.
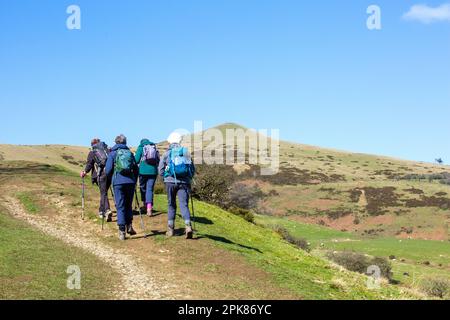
x,y
244,196
360,263
216,184
300,243
244,213
212,184
436,287
443,177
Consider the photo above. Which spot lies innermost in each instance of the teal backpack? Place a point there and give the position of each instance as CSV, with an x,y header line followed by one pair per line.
x,y
124,162
180,164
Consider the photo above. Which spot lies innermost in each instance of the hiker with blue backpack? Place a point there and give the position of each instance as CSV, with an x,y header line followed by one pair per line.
x,y
147,157
121,167
96,162
177,169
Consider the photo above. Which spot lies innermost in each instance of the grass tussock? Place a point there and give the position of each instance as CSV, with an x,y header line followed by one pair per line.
x,y
437,287
361,263
28,202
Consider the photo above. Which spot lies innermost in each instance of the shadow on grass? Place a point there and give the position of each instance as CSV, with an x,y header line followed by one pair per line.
x,y
203,220
227,241
152,233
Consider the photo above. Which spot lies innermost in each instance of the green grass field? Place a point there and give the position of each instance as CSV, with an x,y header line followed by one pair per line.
x,y
417,258
34,266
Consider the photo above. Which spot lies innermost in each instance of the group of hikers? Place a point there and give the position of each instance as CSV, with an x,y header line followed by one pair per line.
x,y
119,169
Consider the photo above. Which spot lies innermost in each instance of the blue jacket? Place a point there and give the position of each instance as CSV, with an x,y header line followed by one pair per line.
x,y
163,163
117,178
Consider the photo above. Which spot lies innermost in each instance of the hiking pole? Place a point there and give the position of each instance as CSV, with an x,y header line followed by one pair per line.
x,y
137,201
140,212
112,194
82,198
193,212
103,220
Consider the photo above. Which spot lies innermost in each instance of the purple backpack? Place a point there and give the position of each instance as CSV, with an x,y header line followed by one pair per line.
x,y
150,154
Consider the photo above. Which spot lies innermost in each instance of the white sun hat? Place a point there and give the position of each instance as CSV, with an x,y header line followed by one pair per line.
x,y
175,137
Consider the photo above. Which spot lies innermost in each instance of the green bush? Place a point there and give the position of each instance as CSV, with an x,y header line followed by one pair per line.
x,y
436,287
244,213
360,263
300,243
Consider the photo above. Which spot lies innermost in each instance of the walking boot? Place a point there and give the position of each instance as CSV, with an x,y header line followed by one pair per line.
x,y
109,216
170,231
149,210
189,232
130,230
121,235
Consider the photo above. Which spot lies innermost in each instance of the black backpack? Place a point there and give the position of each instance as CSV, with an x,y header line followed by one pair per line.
x,y
100,154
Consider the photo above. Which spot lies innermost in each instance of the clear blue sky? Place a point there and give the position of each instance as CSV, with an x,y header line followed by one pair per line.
x,y
311,69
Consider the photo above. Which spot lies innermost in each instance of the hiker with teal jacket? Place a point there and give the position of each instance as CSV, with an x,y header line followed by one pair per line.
x,y
147,157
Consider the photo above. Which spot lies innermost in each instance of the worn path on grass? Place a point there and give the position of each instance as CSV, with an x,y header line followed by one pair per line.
x,y
151,268
136,281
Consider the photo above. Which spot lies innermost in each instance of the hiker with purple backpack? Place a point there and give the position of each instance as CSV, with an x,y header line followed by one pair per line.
x,y
147,157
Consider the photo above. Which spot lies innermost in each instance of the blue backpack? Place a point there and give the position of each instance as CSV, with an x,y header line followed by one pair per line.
x,y
180,164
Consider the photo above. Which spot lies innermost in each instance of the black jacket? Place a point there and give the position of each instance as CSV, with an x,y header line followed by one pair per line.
x,y
91,165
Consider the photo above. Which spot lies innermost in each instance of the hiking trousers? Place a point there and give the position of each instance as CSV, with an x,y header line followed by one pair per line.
x,y
123,195
147,185
182,191
104,185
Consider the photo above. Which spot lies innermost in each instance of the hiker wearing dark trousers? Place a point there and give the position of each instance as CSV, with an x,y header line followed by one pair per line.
x,y
177,186
147,157
95,163
122,169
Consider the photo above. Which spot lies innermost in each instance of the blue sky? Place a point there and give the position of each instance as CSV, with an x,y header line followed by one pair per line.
x,y
143,68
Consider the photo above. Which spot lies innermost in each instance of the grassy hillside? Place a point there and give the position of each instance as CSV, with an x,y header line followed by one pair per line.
x,y
70,157
336,200
364,194
230,257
